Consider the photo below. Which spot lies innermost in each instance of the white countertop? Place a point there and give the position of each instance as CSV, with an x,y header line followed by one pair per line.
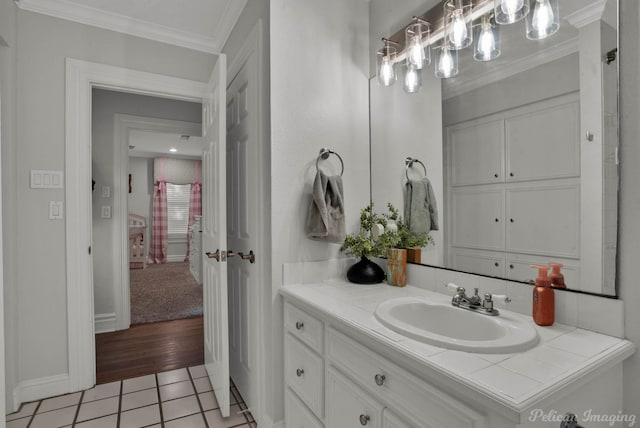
x,y
518,381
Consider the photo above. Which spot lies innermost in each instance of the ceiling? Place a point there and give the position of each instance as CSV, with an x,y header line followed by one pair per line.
x,y
152,144
203,25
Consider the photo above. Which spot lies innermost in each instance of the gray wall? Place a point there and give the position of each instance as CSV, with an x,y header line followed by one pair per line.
x,y
38,272
545,81
106,271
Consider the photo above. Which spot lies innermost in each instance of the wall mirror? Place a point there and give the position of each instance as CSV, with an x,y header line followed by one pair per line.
x,y
521,151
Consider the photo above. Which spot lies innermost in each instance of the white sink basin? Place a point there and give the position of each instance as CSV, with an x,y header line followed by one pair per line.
x,y
456,328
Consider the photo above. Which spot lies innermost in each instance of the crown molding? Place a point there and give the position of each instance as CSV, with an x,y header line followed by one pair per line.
x,y
542,57
77,12
587,14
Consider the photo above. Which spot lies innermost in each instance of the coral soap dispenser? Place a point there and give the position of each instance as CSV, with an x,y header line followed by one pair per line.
x,y
556,277
543,298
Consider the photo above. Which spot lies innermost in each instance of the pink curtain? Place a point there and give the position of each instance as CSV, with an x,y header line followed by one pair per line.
x,y
195,208
159,224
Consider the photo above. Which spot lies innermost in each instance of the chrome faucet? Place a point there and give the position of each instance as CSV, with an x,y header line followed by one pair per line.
x,y
475,302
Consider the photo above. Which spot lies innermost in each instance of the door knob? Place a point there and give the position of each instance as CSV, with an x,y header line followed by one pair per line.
x,y
251,256
230,253
215,255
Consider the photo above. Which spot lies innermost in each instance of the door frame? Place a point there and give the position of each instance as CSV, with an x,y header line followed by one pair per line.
x,y
81,78
123,125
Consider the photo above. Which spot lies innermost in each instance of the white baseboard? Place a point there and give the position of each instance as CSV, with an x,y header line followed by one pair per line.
x,y
105,323
176,258
37,389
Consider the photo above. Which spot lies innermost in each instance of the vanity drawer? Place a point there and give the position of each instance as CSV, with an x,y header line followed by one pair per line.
x,y
303,326
304,374
296,413
396,388
348,406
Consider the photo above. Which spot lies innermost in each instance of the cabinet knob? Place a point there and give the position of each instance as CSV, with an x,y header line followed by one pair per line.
x,y
299,325
511,174
511,266
364,419
380,379
496,220
299,372
512,220
496,175
496,264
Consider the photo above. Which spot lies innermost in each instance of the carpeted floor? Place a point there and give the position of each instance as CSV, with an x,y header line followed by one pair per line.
x,y
164,292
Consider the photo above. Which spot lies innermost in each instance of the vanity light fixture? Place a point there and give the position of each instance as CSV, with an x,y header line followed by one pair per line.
x,y
543,19
386,63
487,44
446,62
173,150
417,44
450,24
457,24
510,11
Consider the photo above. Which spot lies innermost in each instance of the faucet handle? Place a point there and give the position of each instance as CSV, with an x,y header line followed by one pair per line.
x,y
455,287
501,297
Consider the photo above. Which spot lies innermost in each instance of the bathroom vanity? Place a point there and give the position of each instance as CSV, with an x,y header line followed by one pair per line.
x,y
343,368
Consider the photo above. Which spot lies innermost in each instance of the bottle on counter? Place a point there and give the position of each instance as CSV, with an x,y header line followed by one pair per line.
x,y
543,311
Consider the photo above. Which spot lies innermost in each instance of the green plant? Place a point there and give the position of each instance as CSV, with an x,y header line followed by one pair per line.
x,y
406,238
363,243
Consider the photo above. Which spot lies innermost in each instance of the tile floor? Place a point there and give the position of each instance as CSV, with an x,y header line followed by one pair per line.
x,y
175,399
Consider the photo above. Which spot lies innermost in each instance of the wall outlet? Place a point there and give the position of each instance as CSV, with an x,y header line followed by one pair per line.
x,y
106,211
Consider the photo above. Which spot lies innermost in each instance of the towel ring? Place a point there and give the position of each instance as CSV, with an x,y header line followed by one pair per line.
x,y
409,163
325,153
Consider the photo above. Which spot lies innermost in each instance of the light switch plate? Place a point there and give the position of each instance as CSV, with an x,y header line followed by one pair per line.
x,y
56,210
106,211
46,179
106,191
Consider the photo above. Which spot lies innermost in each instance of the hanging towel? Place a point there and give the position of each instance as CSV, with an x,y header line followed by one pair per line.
x,y
325,221
420,209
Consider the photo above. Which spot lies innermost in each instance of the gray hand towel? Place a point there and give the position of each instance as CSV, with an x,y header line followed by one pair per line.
x,y
325,221
420,209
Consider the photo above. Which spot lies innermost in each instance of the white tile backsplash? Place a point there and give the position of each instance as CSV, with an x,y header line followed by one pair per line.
x,y
599,314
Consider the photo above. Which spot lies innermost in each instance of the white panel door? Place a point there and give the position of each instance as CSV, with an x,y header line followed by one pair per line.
x,y
545,143
242,227
477,218
214,235
477,153
544,220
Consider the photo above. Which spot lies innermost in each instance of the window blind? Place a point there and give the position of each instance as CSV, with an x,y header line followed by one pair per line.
x,y
178,196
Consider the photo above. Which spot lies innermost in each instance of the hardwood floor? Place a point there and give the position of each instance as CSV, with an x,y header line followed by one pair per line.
x,y
149,348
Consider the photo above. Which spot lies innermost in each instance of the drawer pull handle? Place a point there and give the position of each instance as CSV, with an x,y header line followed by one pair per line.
x,y
299,325
299,372
379,379
364,419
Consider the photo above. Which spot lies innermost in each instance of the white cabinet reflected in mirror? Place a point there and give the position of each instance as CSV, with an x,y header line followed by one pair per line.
x,y
521,152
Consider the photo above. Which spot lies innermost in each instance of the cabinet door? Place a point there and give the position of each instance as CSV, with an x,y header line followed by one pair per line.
x,y
477,153
544,220
390,420
348,406
544,143
478,218
491,264
297,415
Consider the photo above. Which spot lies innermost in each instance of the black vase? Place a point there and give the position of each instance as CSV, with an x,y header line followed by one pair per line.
x,y
365,272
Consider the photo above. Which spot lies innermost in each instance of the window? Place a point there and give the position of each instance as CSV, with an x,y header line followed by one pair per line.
x,y
178,196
